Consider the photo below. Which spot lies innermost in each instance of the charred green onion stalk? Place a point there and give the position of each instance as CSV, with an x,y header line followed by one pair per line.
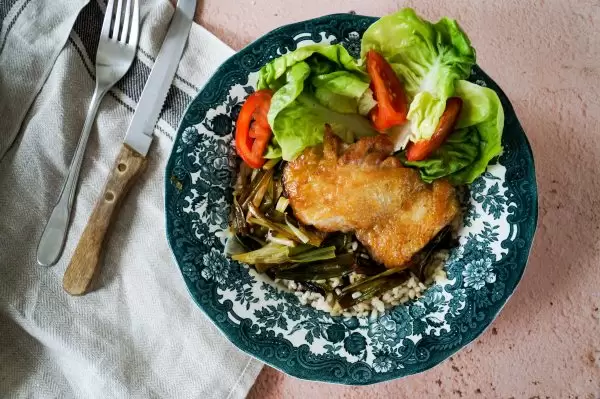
x,y
267,236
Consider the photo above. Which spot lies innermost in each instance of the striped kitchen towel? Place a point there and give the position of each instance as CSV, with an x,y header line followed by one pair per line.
x,y
140,335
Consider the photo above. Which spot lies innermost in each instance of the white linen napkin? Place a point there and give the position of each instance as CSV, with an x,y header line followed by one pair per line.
x,y
140,334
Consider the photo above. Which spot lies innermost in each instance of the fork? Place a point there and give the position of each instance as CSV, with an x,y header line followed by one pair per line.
x,y
116,51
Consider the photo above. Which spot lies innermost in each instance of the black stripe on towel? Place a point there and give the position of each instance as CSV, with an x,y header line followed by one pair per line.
x,y
88,26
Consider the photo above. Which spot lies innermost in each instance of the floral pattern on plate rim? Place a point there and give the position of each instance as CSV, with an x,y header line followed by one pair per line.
x,y
270,323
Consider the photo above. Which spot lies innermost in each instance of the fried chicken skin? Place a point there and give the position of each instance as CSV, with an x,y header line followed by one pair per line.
x,y
365,190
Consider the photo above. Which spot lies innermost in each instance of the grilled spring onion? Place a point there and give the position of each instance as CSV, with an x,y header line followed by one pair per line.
x,y
280,240
245,185
277,188
442,240
297,232
340,240
275,216
234,246
311,237
389,279
257,218
367,267
338,267
276,243
282,204
271,163
386,273
316,287
271,253
262,267
313,255
274,254
289,231
370,287
243,179
237,219
268,201
257,189
238,244
262,187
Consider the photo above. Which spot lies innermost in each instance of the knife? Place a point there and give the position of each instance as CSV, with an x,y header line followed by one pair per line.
x,y
131,161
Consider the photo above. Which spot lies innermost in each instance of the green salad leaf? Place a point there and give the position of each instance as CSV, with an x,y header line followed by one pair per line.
x,y
286,94
468,150
340,91
296,128
302,124
323,58
321,84
429,58
273,150
482,110
459,150
313,86
349,127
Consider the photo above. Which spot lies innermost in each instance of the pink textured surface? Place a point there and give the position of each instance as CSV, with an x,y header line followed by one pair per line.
x,y
546,57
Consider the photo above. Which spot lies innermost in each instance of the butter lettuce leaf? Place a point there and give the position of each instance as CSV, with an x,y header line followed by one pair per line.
x,y
429,58
482,110
323,58
340,91
286,94
313,86
302,124
467,152
460,150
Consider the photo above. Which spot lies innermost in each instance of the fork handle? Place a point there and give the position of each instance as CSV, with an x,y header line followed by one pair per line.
x,y
52,240
85,263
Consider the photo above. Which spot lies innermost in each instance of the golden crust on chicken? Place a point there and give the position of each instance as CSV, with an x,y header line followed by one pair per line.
x,y
365,190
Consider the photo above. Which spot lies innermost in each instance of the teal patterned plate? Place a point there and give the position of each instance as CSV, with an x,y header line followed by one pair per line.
x,y
270,324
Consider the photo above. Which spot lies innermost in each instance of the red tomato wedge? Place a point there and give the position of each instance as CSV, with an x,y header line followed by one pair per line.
x,y
252,130
422,149
392,107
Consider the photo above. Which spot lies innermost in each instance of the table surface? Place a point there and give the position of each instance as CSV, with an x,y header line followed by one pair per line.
x,y
546,56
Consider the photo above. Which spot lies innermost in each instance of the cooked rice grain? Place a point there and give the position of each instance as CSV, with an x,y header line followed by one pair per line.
x,y
413,288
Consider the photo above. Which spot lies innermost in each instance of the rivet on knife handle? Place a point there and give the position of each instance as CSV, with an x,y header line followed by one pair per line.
x,y
85,263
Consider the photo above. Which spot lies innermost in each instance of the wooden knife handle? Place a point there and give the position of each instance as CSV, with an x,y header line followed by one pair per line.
x,y
85,264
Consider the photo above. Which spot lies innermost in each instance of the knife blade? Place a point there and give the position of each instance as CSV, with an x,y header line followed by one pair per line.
x,y
131,160
141,128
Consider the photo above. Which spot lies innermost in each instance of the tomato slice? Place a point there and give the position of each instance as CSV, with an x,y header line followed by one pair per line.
x,y
392,107
252,130
257,131
422,149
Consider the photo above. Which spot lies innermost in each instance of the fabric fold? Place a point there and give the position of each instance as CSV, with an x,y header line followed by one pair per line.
x,y
140,334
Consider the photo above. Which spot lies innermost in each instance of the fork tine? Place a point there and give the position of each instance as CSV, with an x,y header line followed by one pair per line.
x,y
125,30
135,24
107,19
115,31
